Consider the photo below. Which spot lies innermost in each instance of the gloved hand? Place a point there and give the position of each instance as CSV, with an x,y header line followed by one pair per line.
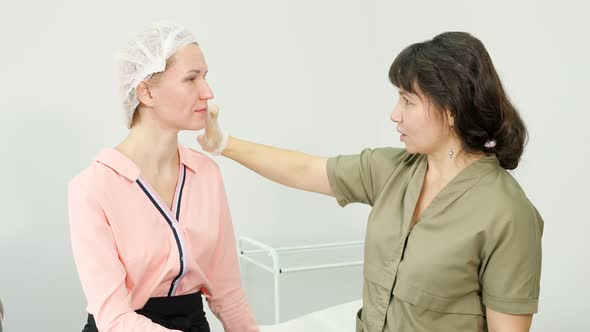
x,y
214,140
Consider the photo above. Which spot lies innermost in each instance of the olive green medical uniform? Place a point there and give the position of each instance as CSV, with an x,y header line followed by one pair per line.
x,y
476,245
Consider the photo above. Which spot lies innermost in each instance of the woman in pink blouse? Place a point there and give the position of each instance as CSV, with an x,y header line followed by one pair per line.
x,y
150,225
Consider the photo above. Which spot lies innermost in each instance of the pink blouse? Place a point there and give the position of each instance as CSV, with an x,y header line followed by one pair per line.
x,y
129,246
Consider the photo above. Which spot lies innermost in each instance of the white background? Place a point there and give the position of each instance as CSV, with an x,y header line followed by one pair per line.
x,y
305,75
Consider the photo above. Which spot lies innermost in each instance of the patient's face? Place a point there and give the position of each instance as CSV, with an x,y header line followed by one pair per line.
x,y
181,92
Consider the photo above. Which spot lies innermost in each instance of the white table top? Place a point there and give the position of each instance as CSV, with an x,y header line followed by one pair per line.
x,y
339,318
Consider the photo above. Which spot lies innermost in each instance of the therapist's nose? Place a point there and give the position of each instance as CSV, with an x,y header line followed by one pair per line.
x,y
396,114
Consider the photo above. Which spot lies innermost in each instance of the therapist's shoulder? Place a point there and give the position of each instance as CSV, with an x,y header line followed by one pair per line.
x,y
380,162
504,187
390,157
396,155
504,194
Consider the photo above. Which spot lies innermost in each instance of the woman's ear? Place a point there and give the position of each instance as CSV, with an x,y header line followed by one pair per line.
x,y
144,94
450,118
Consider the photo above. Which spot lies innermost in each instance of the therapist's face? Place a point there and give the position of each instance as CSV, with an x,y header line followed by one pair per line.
x,y
420,123
178,97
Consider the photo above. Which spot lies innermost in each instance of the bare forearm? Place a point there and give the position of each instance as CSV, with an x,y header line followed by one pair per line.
x,y
290,168
500,322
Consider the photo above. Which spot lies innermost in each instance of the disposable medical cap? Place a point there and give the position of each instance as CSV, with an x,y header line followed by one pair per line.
x,y
146,54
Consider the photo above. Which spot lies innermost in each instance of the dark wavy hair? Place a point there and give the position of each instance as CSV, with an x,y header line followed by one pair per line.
x,y
456,73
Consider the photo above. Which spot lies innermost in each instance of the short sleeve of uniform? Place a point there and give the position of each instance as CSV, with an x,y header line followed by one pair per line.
x,y
359,178
511,265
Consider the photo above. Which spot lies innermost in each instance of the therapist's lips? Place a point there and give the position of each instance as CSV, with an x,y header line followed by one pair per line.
x,y
402,136
201,110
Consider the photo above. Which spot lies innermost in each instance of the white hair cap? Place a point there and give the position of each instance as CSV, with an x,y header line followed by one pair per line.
x,y
146,54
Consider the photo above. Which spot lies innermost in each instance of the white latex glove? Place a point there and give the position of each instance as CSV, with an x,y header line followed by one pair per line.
x,y
214,140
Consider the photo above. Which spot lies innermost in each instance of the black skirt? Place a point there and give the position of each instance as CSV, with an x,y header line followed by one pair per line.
x,y
184,313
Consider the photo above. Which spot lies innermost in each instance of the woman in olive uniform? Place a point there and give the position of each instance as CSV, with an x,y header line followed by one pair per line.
x,y
452,242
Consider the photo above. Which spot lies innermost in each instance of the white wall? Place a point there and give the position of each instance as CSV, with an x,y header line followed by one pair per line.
x,y
306,75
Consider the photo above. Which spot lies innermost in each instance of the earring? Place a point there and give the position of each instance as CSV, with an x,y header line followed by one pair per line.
x,y
451,152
